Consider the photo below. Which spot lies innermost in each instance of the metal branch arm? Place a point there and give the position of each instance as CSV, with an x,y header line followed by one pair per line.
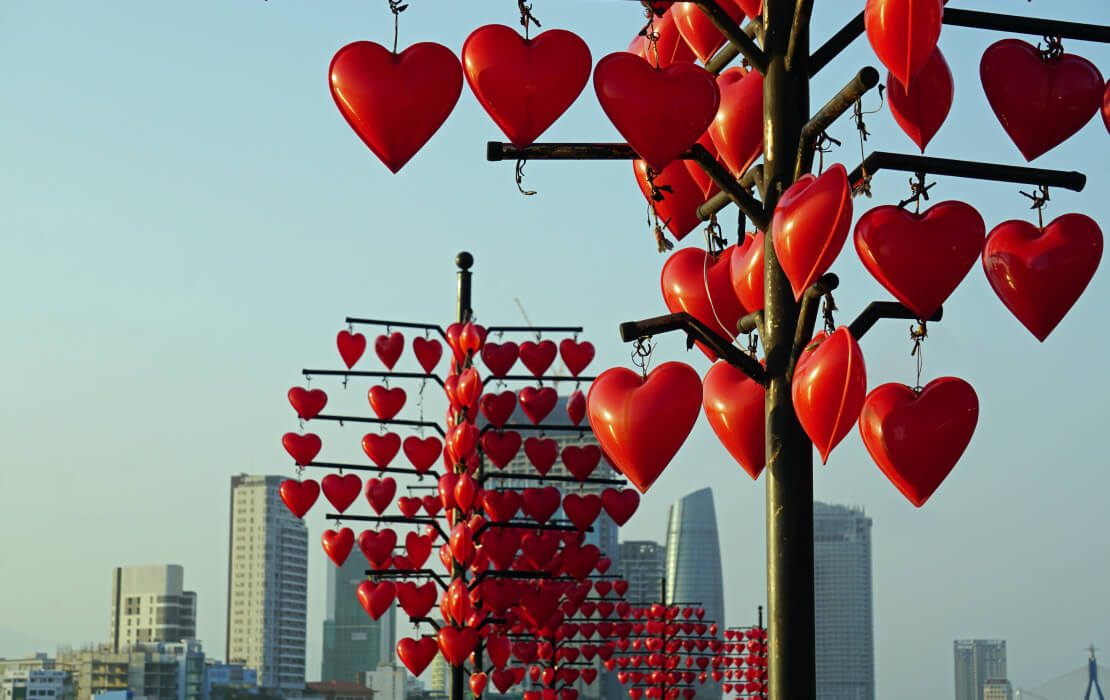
x,y
374,468
395,324
385,421
696,330
729,51
884,160
735,35
375,374
866,79
877,310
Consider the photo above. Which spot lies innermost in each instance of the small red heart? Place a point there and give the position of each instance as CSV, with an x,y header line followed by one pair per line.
x,y
699,32
581,461
685,278
307,403
381,449
409,506
389,347
422,453
416,655
376,598
830,384
921,107
337,545
457,643
302,448
811,223
582,511
380,493
734,405
418,548
576,356
680,196
501,506
669,48
386,403
351,346
542,453
746,271
432,505
377,547
498,408
500,358
501,546
576,406
537,403
540,504
903,34
501,447
537,357
417,601
737,130
341,491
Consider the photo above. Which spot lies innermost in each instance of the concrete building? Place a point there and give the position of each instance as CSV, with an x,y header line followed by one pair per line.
x,y
643,565
35,684
339,690
843,603
149,604
35,662
353,642
977,661
267,585
438,674
95,670
235,677
998,690
389,681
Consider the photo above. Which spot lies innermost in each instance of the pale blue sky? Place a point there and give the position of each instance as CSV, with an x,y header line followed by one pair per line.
x,y
187,220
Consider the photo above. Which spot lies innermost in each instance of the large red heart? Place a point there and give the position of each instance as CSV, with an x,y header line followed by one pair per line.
x,y
389,347
537,357
380,493
699,32
746,271
811,223
501,447
395,102
542,453
500,358
1040,102
680,196
422,454
734,405
351,346
1039,274
428,352
377,547
417,654
337,545
737,130
307,403
582,511
498,408
302,448
620,504
669,48
457,643
537,403
376,598
660,113
917,438
830,383
386,403
341,491
641,423
920,258
700,284
922,106
381,449
903,33
525,84
576,356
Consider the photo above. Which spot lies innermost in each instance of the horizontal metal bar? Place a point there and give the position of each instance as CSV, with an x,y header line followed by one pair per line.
x,y
836,43
362,373
544,428
735,35
553,525
752,207
1027,25
417,520
553,477
534,329
372,468
398,324
634,330
864,80
752,178
877,310
384,421
544,378
496,150
882,160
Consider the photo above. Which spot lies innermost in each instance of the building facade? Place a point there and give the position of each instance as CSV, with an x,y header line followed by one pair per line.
x,y
95,670
149,604
978,661
843,603
219,677
643,565
267,585
354,643
998,690
35,684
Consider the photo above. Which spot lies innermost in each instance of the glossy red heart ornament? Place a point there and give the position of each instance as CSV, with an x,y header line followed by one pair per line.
x,y
477,683
380,493
469,387
462,544
341,491
737,130
576,406
466,490
525,84
582,511
734,405
641,424
501,506
542,453
395,102
903,33
422,453
386,403
498,408
920,258
351,346
698,31
620,504
500,448
376,598
381,449
377,547
678,205
830,383
307,403
418,548
746,271
537,357
682,99
428,353
1038,274
670,47
537,403
302,448
540,504
416,655
811,223
686,274
503,680
500,358
576,356
388,348
916,439
921,107
417,601
457,643
501,546
581,461
1040,102
462,440
337,545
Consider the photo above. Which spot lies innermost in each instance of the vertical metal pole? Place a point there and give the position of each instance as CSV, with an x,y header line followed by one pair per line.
x,y
464,261
791,642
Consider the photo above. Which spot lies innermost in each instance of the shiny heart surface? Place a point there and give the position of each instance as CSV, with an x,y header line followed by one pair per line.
x,y
811,223
338,545
341,491
525,84
1040,102
376,598
698,31
307,402
641,423
620,504
498,408
501,546
387,403
417,601
903,33
686,276
576,356
377,547
422,454
576,406
1039,275
582,511
746,271
415,654
737,130
418,548
388,348
380,493
395,102
681,100
537,403
302,448
678,205
542,453
916,439
830,384
921,107
500,358
670,46
500,448
734,405
540,504
581,461
920,258
501,506
428,353
537,357
381,449
351,346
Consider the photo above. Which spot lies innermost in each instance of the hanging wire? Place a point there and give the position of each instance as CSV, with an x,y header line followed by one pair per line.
x,y
1040,198
824,145
918,335
649,33
1053,50
918,191
396,7
827,309
520,178
711,237
641,354
656,194
526,17
858,114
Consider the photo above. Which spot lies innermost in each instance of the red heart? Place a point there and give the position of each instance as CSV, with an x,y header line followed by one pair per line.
x,y
537,357
1039,274
920,258
737,130
299,496
457,643
681,98
810,225
576,406
386,403
351,346
734,405
540,504
395,102
542,453
525,84
466,489
1106,106
576,356
307,403
501,506
446,489
670,46
377,547
501,447
503,680
903,33
416,655
539,549
746,271
699,32
428,352
680,196
641,423
498,595
462,545
462,440
341,491
686,275
389,347
501,546
921,107
830,383
917,438
537,403
376,598
380,493
477,683
1040,102
581,461
471,338
381,449
582,511
302,448
701,178
499,359
417,601
422,453
418,548
498,408
498,647
337,545
432,505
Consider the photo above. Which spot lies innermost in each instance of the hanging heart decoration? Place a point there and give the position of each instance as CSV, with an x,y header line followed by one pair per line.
x,y
903,33
338,545
581,461
428,353
307,403
700,284
302,448
457,643
422,453
699,32
737,130
917,438
677,205
746,271
377,547
537,357
830,384
381,449
500,448
734,405
576,356
299,496
388,348
376,598
341,491
811,223
669,48
921,107
395,102
380,493
576,406
351,346
500,358
542,453
537,403
416,655
498,408
620,504
386,403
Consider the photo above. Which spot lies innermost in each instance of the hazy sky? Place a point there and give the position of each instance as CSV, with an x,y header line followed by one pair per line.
x,y
187,220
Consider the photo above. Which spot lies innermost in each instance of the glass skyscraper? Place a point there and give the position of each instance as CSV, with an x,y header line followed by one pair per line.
x,y
353,642
977,662
643,565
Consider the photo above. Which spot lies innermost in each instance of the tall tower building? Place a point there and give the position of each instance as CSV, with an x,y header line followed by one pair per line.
x,y
353,642
978,661
266,585
149,604
643,565
842,596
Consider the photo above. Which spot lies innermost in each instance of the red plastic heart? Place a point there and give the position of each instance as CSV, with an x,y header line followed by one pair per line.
x,y
678,203
830,384
698,31
537,403
540,504
457,643
582,511
746,271
501,506
734,405
302,448
498,408
307,403
337,545
416,655
422,453
685,277
380,493
299,496
576,406
418,548
537,357
737,130
921,107
376,598
428,353
811,223
341,491
501,448
500,358
581,461
386,403
351,346
377,547
542,453
381,449
903,33
576,356
670,46
389,347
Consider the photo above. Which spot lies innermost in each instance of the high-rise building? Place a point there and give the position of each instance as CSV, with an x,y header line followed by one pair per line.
x,y
266,585
643,565
149,604
842,598
354,643
998,690
976,662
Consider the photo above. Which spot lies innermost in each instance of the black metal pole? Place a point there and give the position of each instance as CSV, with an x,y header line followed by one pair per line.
x,y
464,261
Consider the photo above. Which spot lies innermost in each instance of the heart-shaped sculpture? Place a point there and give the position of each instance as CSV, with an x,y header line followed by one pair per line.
x,y
428,353
337,545
307,403
699,32
660,112
422,453
501,506
416,655
501,546
376,598
830,384
576,406
525,84
581,461
477,683
920,258
388,348
700,284
737,130
641,423
620,504
302,448
381,449
576,356
500,358
677,197
542,453
734,405
395,102
457,643
582,511
341,491
917,438
540,504
537,357
921,107
1041,101
669,48
380,493
387,403
811,223
418,548
746,271
537,403
417,601
503,680
351,346
903,33
1039,274
500,448
498,408
377,547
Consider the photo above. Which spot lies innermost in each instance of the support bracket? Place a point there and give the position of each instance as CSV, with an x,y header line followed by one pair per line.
x,y
883,160
696,330
877,310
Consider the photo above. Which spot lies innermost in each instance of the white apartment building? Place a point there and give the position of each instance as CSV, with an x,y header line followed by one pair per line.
x,y
149,604
36,684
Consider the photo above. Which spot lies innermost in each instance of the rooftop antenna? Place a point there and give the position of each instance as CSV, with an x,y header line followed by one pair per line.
x,y
1093,682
